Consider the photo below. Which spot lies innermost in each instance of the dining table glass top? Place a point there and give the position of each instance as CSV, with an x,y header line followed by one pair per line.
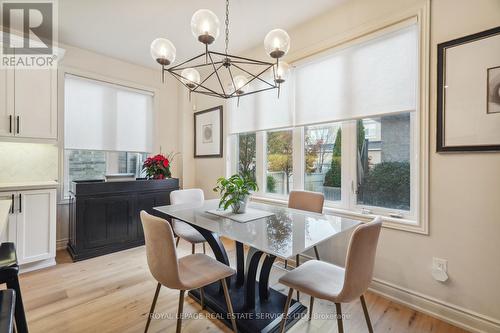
x,y
284,234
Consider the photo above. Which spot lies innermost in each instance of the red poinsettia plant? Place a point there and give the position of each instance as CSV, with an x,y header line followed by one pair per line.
x,y
158,166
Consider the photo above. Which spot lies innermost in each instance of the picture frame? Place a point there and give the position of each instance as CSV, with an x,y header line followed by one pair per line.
x,y
468,93
208,133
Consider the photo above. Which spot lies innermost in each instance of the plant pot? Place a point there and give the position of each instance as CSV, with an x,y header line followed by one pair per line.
x,y
240,206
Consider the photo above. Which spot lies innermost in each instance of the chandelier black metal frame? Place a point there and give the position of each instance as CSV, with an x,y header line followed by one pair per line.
x,y
254,75
226,62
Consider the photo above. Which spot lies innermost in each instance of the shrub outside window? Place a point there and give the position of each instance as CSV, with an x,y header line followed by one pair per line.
x,y
383,162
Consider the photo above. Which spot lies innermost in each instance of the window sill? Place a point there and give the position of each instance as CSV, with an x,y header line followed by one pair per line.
x,y
388,222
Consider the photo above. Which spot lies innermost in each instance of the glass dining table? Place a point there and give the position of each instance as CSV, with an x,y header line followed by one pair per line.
x,y
284,234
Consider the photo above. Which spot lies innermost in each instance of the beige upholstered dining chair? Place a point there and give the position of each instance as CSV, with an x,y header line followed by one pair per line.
x,y
182,229
193,271
308,201
336,284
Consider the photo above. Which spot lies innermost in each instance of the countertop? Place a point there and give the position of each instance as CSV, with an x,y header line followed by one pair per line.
x,y
15,186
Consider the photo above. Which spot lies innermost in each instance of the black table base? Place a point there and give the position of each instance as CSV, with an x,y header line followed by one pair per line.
x,y
265,317
258,307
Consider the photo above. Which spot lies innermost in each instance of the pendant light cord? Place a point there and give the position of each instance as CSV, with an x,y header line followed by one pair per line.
x,y
227,26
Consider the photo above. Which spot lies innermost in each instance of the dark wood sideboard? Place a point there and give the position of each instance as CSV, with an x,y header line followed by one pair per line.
x,y
104,216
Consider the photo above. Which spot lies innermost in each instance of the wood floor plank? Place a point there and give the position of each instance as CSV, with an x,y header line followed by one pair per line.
x,y
113,293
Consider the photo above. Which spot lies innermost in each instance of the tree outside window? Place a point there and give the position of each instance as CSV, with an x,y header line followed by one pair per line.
x,y
279,161
246,153
322,160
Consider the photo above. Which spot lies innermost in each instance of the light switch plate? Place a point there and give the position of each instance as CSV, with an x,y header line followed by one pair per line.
x,y
439,269
440,264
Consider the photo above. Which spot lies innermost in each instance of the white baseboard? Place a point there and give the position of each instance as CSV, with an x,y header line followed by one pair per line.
x,y
455,315
61,244
37,265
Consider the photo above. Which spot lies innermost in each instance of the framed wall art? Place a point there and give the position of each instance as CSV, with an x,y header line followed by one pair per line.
x,y
468,96
208,133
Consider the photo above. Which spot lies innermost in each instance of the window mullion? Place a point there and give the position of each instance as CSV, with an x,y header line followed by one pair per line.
x,y
232,158
298,158
348,164
260,161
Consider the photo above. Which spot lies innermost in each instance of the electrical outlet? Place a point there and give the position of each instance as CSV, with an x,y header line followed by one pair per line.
x,y
440,264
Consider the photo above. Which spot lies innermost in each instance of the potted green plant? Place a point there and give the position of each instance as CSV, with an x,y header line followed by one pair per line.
x,y
234,192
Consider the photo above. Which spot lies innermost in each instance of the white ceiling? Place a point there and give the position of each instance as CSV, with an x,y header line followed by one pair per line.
x,y
124,29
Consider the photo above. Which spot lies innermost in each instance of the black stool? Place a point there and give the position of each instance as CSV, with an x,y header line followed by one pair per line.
x,y
7,303
9,271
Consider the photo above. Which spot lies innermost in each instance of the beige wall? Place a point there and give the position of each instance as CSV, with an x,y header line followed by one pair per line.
x,y
199,172
103,67
464,205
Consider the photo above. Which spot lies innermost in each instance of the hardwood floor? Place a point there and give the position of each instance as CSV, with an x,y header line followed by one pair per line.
x,y
113,293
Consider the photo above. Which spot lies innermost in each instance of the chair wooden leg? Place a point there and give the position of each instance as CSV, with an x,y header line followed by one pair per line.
x,y
285,311
297,263
286,264
152,309
179,312
311,304
192,248
365,311
229,305
202,298
177,242
340,324
204,248
316,252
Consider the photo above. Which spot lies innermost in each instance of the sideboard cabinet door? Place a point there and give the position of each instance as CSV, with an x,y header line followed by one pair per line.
x,y
106,221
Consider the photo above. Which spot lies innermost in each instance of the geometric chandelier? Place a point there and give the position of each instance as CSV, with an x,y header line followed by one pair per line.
x,y
220,74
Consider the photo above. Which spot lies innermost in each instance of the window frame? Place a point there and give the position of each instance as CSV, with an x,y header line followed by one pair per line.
x,y
348,201
406,215
417,220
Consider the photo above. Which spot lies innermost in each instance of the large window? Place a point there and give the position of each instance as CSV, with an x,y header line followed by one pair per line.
x,y
376,174
279,148
108,129
323,154
353,128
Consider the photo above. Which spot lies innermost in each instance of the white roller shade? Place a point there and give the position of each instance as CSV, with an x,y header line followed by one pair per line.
x,y
103,116
263,110
378,76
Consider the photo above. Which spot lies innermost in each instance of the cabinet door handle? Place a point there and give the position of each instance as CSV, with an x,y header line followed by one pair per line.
x,y
12,206
17,124
20,203
10,123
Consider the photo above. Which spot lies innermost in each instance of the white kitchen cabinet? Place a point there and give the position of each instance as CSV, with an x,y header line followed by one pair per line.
x,y
35,103
32,226
28,101
36,225
9,232
6,102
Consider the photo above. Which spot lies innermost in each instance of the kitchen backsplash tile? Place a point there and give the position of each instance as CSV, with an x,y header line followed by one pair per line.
x,y
21,162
